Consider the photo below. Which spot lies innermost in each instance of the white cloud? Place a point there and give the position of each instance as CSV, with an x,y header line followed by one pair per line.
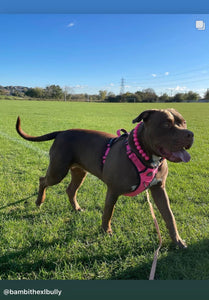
x,y
112,84
178,88
78,86
71,24
167,73
154,75
201,90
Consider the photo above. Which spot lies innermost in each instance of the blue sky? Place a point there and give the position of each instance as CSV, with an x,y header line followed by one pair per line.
x,y
93,52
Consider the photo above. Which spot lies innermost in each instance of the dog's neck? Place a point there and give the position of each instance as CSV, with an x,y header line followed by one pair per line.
x,y
137,143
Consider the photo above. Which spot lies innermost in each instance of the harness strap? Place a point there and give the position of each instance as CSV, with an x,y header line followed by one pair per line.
x,y
111,142
121,129
132,156
107,150
146,175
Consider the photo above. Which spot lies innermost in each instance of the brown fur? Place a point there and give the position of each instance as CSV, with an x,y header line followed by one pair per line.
x,y
81,151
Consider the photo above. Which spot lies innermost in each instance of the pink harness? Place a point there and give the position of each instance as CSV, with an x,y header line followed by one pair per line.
x,y
146,174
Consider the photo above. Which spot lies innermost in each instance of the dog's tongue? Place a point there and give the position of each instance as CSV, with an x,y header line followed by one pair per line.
x,y
183,155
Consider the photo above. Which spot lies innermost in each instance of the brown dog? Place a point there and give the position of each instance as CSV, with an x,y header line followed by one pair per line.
x,y
162,133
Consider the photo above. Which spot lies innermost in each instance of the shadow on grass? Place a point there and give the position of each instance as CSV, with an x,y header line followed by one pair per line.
x,y
179,264
17,202
173,264
12,262
191,263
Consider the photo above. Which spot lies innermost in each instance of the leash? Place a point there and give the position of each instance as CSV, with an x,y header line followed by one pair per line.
x,y
154,263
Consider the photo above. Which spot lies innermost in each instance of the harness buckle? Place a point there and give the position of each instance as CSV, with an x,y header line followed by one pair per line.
x,y
149,174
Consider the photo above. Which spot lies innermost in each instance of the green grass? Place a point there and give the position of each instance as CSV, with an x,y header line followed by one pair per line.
x,y
54,242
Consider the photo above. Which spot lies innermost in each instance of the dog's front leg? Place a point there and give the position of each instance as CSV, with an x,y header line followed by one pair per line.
x,y
162,201
110,201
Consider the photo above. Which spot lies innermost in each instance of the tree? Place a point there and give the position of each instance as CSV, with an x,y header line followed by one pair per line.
x,y
192,96
179,97
113,98
54,92
206,96
3,91
67,91
35,92
149,95
164,98
102,95
130,97
93,97
110,94
139,95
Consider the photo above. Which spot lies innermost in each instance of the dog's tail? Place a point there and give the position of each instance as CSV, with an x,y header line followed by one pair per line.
x,y
46,137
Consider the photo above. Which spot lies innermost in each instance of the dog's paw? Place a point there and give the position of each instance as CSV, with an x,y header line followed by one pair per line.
x,y
181,244
110,233
107,231
38,205
79,209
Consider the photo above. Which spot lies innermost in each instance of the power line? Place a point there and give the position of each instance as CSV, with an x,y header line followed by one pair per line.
x,y
170,74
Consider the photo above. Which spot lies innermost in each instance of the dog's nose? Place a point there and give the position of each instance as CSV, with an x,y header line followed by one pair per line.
x,y
190,134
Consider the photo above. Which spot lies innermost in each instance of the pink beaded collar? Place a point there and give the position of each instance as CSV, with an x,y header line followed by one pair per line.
x,y
137,145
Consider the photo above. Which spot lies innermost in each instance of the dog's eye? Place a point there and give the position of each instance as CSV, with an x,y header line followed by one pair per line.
x,y
167,124
182,124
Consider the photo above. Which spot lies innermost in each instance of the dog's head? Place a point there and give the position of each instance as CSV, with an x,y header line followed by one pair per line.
x,y
166,134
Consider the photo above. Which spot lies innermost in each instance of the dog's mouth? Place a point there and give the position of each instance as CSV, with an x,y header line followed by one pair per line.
x,y
178,156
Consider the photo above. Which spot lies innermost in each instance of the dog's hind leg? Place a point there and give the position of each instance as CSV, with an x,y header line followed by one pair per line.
x,y
42,191
77,177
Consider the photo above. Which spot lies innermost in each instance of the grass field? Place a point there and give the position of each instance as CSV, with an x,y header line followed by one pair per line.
x,y
56,243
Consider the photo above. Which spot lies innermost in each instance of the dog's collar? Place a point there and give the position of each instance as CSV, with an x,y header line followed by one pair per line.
x,y
137,144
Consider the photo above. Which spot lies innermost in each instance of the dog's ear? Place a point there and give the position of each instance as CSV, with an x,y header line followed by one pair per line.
x,y
144,116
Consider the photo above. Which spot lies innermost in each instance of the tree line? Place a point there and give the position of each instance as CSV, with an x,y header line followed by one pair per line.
x,y
57,93
149,95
